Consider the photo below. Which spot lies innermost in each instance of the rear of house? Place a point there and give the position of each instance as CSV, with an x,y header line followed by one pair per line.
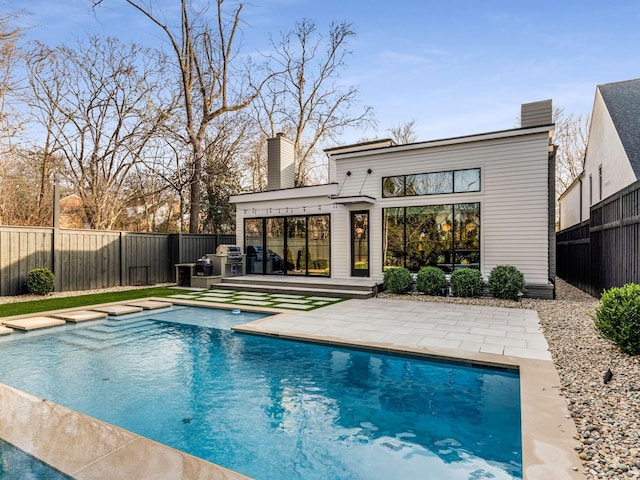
x,y
469,202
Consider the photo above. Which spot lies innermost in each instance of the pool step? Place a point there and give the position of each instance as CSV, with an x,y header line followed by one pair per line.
x,y
95,338
114,326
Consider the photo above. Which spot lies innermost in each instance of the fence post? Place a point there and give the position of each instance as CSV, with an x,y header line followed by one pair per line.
x,y
123,262
55,244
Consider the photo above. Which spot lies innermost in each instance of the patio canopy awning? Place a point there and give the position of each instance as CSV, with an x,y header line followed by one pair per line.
x,y
352,200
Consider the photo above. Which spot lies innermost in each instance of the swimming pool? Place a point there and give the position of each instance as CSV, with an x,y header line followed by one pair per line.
x,y
273,408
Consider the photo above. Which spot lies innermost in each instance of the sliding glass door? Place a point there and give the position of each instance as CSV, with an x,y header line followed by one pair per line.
x,y
297,245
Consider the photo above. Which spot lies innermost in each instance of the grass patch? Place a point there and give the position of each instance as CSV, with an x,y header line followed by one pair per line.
x,y
35,306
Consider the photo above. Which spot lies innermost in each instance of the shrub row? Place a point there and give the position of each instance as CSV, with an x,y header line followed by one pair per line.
x,y
505,281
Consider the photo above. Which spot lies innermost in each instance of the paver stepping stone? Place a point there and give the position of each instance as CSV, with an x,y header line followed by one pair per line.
x,y
211,298
5,330
285,295
293,306
253,294
323,299
33,323
118,309
185,297
259,303
301,301
219,290
250,297
150,304
80,315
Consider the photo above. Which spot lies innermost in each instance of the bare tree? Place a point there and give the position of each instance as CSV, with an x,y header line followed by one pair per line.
x,y
571,136
167,160
10,54
307,101
9,158
204,48
223,172
100,106
404,132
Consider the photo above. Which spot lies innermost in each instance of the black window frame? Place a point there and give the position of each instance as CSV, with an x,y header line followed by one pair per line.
x,y
404,192
454,251
285,240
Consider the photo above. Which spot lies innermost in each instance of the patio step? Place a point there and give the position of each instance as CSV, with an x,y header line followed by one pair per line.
x,y
284,287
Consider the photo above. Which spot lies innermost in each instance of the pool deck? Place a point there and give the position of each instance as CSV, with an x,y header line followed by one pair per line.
x,y
88,449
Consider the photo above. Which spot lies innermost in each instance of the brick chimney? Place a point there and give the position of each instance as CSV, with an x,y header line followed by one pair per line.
x,y
536,114
280,163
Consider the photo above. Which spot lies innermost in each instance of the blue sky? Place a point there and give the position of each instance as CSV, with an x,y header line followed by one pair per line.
x,y
457,67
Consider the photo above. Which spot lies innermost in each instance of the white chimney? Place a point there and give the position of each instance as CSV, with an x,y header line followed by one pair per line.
x,y
280,163
536,114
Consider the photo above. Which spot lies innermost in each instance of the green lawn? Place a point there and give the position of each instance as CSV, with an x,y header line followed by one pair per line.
x,y
46,304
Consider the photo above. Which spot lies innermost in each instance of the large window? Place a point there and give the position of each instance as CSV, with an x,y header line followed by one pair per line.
x,y
434,183
444,236
297,245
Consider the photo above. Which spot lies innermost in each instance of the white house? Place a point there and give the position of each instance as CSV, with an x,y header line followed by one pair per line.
x,y
468,202
612,159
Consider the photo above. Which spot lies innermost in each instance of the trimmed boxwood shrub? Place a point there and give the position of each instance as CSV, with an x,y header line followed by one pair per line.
x,y
430,280
618,317
506,281
397,280
466,282
41,281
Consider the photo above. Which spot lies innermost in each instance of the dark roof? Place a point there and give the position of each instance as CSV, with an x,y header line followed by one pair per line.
x,y
623,102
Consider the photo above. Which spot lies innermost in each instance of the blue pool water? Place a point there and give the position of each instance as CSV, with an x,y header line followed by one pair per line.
x,y
276,409
17,465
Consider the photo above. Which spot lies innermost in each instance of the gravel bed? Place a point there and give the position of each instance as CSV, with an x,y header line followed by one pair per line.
x,y
607,416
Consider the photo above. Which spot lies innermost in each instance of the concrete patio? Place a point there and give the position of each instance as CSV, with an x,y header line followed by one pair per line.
x,y
468,328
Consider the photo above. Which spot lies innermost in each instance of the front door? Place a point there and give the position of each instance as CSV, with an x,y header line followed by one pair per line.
x,y
360,244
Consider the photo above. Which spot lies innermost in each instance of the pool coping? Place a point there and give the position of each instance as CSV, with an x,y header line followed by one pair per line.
x,y
37,425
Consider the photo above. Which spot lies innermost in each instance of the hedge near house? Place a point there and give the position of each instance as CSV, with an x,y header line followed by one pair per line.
x,y
397,280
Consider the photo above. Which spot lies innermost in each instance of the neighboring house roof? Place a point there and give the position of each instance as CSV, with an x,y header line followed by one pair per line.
x,y
623,102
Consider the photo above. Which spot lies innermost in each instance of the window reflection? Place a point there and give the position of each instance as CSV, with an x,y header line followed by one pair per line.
x,y
253,245
319,250
393,237
443,236
467,180
434,183
275,254
393,186
429,183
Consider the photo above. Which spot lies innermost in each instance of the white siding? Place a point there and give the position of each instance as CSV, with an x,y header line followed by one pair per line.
x,y
570,206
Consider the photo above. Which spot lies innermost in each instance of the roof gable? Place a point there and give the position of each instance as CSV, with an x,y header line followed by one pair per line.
x,y
623,103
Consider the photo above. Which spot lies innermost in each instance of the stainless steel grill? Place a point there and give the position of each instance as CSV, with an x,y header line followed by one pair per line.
x,y
233,252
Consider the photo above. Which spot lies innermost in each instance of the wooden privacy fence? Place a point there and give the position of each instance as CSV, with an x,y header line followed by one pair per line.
x,y
88,259
604,251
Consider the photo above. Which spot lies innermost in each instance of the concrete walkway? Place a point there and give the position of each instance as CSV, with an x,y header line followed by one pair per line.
x,y
467,328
